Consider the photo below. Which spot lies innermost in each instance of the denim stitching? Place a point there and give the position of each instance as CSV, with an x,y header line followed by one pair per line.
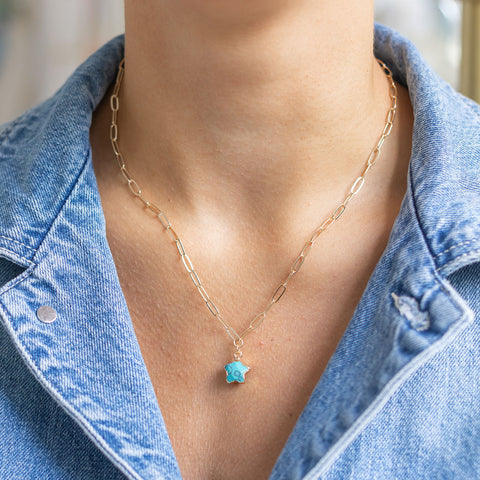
x,y
457,258
455,246
16,241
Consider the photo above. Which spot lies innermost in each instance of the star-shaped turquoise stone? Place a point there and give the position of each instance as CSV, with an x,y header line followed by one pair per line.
x,y
236,372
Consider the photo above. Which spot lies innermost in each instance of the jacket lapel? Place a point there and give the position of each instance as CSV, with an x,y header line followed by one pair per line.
x,y
53,229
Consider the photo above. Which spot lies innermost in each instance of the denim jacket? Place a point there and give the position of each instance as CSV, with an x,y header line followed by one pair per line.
x,y
400,397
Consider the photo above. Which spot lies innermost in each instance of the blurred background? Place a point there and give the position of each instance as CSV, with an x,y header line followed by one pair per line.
x,y
42,41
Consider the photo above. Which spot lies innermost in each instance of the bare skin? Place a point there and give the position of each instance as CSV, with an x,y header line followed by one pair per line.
x,y
247,124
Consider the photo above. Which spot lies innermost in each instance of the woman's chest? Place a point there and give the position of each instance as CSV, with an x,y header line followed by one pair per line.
x,y
230,431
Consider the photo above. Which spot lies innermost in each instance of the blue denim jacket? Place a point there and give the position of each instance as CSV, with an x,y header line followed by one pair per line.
x,y
400,397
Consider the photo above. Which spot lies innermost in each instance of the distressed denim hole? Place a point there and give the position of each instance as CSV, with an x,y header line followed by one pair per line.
x,y
409,308
9,270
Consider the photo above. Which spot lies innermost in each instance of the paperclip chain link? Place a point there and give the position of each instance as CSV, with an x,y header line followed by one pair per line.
x,y
238,339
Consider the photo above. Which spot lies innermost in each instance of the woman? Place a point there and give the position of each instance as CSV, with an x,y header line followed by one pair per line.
x,y
239,140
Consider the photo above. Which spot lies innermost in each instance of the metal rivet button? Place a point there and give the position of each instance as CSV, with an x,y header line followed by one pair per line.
x,y
46,314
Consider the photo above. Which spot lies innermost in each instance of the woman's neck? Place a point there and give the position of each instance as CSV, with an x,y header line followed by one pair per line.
x,y
250,107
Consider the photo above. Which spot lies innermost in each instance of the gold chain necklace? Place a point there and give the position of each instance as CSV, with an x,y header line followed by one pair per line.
x,y
236,370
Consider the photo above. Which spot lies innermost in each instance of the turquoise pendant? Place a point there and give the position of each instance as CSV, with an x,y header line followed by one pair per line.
x,y
236,371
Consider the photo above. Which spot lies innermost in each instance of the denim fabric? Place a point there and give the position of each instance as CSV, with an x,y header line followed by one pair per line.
x,y
399,397
9,270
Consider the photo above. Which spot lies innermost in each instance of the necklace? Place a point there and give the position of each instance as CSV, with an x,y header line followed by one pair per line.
x,y
236,370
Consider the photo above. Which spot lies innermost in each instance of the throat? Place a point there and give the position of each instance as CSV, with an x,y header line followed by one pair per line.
x,y
240,119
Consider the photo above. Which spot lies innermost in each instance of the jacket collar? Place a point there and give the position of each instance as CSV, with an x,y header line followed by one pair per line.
x,y
51,221
44,151
445,160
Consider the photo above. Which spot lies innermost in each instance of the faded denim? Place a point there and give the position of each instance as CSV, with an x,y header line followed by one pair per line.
x,y
399,399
